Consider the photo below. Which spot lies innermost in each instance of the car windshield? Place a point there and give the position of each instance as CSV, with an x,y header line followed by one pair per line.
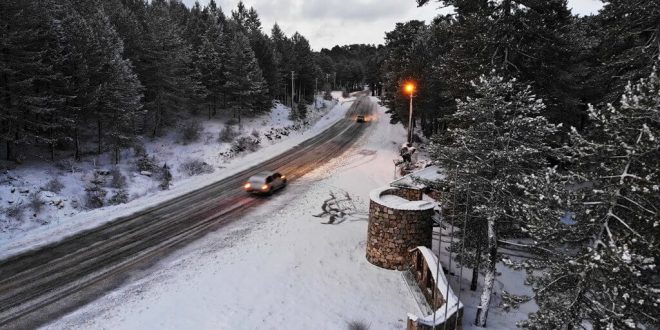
x,y
260,178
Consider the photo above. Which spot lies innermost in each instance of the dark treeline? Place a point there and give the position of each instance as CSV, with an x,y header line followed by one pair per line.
x,y
86,77
349,67
570,61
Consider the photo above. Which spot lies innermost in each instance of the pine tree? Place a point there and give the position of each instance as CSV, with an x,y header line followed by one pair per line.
x,y
244,83
173,85
115,93
629,41
75,42
285,58
527,40
306,69
249,23
29,93
211,61
196,27
405,59
604,270
495,157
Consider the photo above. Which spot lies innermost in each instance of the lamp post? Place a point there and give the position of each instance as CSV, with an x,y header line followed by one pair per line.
x,y
410,89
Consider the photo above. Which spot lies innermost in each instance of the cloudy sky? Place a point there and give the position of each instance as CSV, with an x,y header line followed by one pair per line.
x,y
326,23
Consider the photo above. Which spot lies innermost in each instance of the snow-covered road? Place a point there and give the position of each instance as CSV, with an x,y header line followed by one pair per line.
x,y
278,267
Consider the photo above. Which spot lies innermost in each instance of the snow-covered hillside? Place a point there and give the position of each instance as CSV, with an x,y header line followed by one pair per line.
x,y
63,210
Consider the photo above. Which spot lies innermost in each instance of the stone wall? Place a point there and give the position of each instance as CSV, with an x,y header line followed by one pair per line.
x,y
408,193
393,232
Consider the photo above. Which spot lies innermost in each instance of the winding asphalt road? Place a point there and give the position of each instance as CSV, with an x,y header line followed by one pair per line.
x,y
41,285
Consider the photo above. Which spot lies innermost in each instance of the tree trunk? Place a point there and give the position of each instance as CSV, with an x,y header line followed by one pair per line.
x,y
489,278
475,270
52,142
99,131
157,119
9,150
76,144
215,106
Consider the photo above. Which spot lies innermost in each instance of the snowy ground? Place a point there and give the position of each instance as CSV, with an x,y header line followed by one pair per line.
x,y
63,213
282,267
277,267
508,279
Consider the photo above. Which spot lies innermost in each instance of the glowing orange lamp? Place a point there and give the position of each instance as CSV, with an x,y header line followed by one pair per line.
x,y
409,87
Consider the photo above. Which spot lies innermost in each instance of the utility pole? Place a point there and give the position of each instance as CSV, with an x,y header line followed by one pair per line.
x,y
316,91
293,88
410,123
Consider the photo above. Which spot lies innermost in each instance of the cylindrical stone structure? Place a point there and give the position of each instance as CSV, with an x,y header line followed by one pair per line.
x,y
396,225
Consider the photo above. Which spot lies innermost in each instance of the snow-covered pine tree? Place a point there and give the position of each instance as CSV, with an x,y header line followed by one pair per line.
x,y
285,59
628,43
75,42
263,48
528,40
605,272
495,155
305,67
211,60
244,83
28,98
173,85
117,95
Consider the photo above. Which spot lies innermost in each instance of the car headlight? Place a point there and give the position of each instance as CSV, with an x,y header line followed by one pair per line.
x,y
247,185
264,187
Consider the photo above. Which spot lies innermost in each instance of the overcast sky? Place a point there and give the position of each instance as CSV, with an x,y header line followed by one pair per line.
x,y
326,23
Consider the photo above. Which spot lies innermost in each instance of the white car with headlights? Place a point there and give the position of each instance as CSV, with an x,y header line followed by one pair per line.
x,y
265,183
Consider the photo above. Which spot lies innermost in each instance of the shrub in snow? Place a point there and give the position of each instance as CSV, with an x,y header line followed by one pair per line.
x,y
35,202
165,178
67,165
193,167
95,197
120,197
95,194
245,143
190,131
255,133
53,185
358,325
146,163
139,150
227,134
118,180
300,112
15,212
231,122
345,94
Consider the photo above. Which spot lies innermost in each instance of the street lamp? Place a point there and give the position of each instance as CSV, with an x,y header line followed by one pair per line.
x,y
409,87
